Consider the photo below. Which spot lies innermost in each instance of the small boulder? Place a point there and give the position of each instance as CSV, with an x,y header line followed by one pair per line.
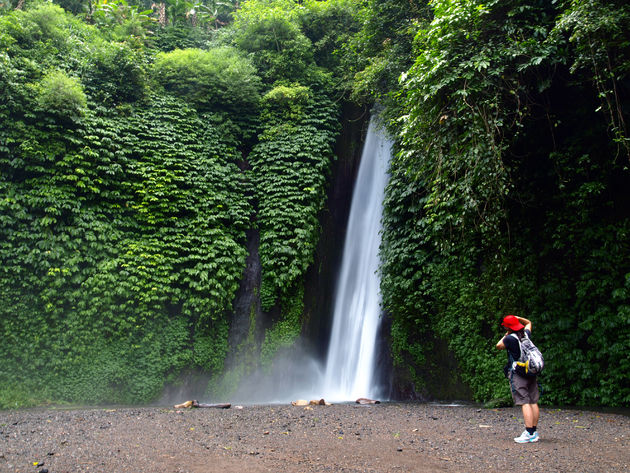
x,y
364,400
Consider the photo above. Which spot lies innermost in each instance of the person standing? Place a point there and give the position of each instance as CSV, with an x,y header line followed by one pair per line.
x,y
524,388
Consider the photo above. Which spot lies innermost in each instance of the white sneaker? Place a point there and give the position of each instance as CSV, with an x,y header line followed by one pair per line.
x,y
525,437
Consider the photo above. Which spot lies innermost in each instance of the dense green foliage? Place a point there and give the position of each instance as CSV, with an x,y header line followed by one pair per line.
x,y
219,80
124,208
507,195
122,250
270,33
139,144
384,47
291,163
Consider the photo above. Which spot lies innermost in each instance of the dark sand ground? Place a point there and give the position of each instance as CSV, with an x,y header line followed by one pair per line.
x,y
396,437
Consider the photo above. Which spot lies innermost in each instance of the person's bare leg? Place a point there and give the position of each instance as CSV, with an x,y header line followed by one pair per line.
x,y
528,414
536,414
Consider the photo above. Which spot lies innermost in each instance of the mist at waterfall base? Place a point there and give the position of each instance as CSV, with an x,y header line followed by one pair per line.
x,y
348,372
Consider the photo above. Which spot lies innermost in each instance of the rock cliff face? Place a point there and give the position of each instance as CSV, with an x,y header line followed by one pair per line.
x,y
248,323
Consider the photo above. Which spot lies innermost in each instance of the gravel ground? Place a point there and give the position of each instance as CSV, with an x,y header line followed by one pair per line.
x,y
390,437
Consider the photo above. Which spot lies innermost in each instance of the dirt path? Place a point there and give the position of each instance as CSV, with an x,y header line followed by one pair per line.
x,y
340,438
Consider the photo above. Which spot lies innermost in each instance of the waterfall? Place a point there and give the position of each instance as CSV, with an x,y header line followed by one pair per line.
x,y
351,357
349,370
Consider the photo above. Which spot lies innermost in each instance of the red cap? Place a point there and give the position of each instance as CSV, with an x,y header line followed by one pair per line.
x,y
512,323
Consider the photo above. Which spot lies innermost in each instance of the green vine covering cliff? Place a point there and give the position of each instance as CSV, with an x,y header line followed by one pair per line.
x,y
124,209
139,144
508,193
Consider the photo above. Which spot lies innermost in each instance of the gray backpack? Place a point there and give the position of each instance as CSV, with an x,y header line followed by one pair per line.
x,y
531,362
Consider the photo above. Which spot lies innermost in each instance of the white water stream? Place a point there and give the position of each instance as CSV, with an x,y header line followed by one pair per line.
x,y
352,351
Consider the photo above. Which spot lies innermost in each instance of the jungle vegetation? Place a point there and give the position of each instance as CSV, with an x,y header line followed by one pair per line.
x,y
140,143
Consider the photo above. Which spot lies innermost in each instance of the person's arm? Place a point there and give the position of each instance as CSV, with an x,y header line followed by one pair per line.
x,y
500,345
527,323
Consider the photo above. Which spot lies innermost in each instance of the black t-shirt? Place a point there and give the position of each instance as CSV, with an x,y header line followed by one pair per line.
x,y
512,346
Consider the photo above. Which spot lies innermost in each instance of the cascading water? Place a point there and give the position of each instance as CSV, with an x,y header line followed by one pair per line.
x,y
352,351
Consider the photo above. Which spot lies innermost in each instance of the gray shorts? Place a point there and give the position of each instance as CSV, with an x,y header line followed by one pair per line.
x,y
524,389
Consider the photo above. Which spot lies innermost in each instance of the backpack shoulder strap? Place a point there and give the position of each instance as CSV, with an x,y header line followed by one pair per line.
x,y
520,347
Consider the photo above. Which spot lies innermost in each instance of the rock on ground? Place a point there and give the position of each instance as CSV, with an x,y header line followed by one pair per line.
x,y
389,437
